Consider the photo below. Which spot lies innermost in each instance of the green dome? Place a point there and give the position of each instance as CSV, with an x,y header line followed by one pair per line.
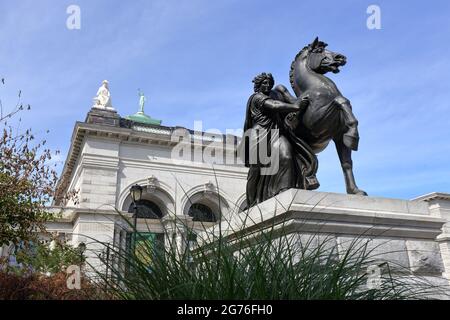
x,y
143,118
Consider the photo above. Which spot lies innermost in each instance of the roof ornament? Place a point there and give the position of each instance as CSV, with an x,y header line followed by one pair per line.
x,y
103,98
140,116
142,100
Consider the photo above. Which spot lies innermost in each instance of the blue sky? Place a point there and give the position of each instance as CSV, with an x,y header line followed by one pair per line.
x,y
195,60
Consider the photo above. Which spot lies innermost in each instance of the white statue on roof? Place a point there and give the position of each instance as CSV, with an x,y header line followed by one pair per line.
x,y
103,98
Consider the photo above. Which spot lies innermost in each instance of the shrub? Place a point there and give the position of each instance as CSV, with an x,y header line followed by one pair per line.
x,y
264,266
40,287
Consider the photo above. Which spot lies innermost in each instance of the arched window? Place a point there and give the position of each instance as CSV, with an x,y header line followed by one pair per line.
x,y
200,212
146,209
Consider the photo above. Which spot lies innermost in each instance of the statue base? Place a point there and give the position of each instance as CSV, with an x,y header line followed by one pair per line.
x,y
406,234
103,116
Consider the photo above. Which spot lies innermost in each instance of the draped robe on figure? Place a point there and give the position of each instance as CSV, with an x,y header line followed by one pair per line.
x,y
296,160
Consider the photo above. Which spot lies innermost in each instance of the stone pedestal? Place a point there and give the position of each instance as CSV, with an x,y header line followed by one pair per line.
x,y
408,234
103,117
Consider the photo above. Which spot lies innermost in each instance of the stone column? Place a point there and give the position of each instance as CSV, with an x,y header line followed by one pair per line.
x,y
176,229
439,206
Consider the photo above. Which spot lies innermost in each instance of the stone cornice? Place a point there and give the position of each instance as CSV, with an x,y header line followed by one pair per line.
x,y
70,214
433,196
69,164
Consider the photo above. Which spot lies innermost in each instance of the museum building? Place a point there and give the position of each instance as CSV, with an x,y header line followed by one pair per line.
x,y
187,178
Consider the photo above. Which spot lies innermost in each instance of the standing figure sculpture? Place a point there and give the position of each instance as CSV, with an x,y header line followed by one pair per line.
x,y
265,133
329,115
142,100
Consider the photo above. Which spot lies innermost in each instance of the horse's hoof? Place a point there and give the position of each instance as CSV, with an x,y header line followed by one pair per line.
x,y
357,191
311,183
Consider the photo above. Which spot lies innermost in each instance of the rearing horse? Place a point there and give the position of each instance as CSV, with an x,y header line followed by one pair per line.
x,y
329,114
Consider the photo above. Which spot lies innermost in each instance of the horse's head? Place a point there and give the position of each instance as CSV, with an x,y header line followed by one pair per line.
x,y
321,60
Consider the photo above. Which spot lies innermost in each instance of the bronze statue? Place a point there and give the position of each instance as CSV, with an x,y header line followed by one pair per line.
x,y
329,115
295,165
306,125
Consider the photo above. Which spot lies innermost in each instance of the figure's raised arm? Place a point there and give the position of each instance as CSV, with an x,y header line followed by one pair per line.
x,y
280,106
284,94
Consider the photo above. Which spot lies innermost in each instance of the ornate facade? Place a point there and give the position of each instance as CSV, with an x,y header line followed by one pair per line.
x,y
186,176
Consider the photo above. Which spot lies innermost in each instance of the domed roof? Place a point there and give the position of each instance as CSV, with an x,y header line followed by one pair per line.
x,y
140,116
143,118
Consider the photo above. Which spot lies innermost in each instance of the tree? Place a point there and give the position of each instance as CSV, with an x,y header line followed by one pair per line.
x,y
50,259
27,179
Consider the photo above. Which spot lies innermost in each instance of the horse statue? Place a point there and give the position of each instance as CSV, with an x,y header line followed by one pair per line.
x,y
329,114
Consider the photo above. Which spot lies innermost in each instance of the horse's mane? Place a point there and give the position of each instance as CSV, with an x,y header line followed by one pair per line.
x,y
291,71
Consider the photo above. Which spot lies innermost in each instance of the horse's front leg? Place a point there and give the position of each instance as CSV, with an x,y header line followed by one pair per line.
x,y
345,156
351,137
